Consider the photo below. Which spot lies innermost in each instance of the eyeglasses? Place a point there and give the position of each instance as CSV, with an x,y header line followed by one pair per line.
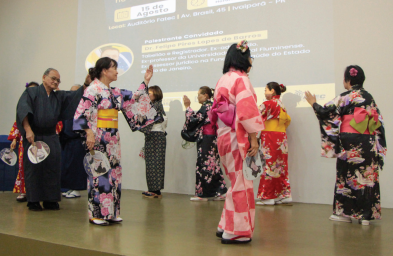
x,y
54,79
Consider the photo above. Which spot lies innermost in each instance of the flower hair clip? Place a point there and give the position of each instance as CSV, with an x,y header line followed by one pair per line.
x,y
281,85
242,46
27,85
353,72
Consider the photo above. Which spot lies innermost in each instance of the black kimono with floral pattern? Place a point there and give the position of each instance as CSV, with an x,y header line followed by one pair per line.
x,y
359,156
209,178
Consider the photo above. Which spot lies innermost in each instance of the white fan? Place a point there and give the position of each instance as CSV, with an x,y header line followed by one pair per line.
x,y
187,145
38,152
8,156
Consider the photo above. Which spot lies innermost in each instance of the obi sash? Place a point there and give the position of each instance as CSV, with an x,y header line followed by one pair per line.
x,y
107,118
223,110
277,124
361,122
209,129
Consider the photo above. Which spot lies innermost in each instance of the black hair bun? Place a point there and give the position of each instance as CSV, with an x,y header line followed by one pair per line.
x,y
283,88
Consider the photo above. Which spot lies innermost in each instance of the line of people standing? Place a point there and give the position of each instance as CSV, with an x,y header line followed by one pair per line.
x,y
352,131
225,130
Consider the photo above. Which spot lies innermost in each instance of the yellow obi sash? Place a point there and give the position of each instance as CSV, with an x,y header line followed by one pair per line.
x,y
278,124
107,118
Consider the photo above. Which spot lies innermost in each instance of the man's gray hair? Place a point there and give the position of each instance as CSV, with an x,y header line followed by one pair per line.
x,y
49,70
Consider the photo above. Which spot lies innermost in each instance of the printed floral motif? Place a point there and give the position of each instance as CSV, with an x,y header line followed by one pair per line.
x,y
359,156
104,192
274,144
209,178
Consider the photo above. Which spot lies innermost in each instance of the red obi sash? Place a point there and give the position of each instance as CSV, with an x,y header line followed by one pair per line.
x,y
209,129
346,127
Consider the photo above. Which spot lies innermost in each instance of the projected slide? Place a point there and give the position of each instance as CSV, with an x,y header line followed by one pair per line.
x,y
186,42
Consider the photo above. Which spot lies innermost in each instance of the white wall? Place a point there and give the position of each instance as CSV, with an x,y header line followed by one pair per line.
x,y
35,35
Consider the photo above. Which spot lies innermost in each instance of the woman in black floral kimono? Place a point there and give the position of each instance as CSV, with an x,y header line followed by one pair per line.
x,y
155,146
209,179
352,131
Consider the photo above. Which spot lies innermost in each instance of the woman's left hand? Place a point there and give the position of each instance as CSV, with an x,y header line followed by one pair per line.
x,y
148,74
311,99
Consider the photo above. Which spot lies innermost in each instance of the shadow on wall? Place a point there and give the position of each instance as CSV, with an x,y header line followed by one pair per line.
x,y
296,158
305,163
180,179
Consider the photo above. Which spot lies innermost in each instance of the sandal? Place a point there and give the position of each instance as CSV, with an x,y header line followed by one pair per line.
x,y
197,198
236,240
151,195
115,220
220,197
99,222
21,198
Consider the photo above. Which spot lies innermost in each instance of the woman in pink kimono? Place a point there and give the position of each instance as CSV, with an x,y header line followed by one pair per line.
x,y
236,114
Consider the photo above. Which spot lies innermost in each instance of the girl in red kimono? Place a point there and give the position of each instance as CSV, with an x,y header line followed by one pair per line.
x,y
15,137
236,114
19,186
274,186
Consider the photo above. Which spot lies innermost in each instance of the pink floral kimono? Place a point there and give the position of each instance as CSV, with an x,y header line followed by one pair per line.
x,y
104,191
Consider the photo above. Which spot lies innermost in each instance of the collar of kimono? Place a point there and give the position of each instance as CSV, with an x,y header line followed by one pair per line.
x,y
232,69
357,87
101,84
277,97
363,119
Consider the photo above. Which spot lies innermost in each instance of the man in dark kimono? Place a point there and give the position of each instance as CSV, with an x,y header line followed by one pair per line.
x,y
73,175
38,111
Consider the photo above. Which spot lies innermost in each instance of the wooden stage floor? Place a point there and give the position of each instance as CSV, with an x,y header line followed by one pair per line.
x,y
174,225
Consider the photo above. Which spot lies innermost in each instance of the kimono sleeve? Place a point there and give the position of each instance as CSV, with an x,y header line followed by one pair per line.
x,y
25,108
14,133
137,108
329,122
194,123
263,108
288,120
70,102
381,147
247,113
85,116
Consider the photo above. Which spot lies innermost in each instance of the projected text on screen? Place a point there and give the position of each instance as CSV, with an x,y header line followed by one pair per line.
x,y
186,41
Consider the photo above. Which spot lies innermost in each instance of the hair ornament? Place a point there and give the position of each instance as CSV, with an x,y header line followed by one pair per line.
x,y
242,46
281,85
27,85
353,72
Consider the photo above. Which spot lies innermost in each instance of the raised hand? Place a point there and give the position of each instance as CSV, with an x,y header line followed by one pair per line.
x,y
186,101
311,99
148,74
